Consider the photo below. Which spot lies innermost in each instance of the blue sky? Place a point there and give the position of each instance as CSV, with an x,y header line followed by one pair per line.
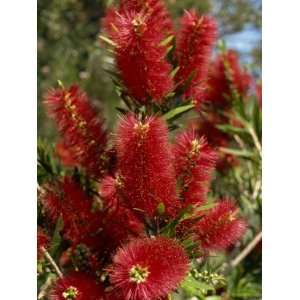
x,y
244,41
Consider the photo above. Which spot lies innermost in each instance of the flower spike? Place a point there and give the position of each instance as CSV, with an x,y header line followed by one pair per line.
x,y
194,163
145,165
220,227
81,129
195,42
137,30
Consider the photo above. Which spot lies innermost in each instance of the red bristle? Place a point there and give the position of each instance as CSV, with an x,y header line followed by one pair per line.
x,y
155,8
195,42
258,92
140,57
68,200
220,227
148,269
145,165
42,242
109,194
120,223
119,227
194,163
217,139
80,127
77,285
226,76
65,155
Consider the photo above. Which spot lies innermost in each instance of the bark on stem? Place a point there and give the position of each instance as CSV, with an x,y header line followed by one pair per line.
x,y
247,250
52,262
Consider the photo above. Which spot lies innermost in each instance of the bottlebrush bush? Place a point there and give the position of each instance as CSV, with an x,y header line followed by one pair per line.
x,y
130,214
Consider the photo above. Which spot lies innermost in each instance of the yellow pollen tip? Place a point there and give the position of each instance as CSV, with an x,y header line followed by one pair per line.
x,y
141,128
138,274
195,147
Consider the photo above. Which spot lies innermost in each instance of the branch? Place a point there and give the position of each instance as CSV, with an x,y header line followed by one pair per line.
x,y
52,262
247,250
44,289
255,140
256,189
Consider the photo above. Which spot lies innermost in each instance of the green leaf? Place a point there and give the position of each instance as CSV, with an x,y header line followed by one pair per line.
x,y
237,152
112,73
60,84
56,238
170,48
174,72
122,110
107,40
188,81
193,287
231,129
204,207
177,112
167,40
47,165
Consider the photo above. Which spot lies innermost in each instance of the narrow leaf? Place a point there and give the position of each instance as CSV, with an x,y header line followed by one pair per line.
x,y
237,152
176,112
56,239
167,40
231,129
107,40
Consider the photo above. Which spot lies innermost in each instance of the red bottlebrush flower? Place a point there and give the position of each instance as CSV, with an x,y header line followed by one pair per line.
x,y
194,163
145,165
258,90
119,223
220,227
214,136
148,269
226,76
217,138
42,242
77,286
81,129
155,8
194,46
140,57
68,200
109,192
65,155
120,227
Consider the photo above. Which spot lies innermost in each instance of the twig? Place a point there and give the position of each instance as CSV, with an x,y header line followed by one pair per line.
x,y
246,251
239,141
44,289
52,262
255,140
256,189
